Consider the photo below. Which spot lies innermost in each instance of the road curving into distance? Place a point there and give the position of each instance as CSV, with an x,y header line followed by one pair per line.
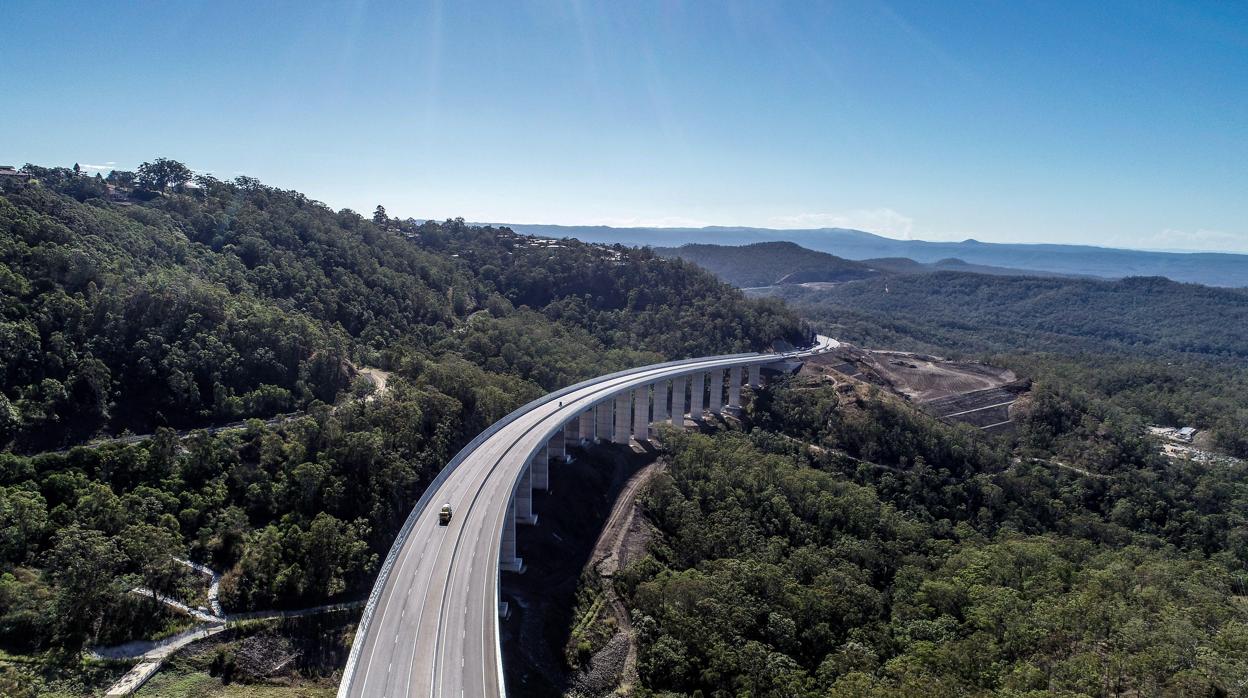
x,y
431,625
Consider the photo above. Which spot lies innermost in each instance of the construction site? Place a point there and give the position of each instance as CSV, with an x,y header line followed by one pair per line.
x,y
983,396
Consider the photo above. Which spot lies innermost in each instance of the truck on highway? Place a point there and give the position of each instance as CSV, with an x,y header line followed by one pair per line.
x,y
444,516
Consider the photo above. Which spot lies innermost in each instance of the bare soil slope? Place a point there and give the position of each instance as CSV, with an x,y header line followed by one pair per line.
x,y
956,391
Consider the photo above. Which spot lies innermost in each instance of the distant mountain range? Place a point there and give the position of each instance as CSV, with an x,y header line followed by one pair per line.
x,y
781,263
770,263
1212,269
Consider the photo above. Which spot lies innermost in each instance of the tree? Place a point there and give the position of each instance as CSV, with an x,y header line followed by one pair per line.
x,y
10,420
23,521
162,174
379,215
152,550
120,178
83,565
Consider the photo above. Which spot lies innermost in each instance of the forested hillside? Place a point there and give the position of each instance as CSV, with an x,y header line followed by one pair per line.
x,y
1210,268
237,299
1174,354
774,263
1138,316
849,546
767,263
162,302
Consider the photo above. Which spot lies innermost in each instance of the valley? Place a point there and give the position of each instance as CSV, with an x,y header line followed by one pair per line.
x,y
965,411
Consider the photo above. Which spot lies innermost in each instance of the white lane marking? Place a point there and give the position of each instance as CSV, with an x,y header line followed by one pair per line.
x,y
402,564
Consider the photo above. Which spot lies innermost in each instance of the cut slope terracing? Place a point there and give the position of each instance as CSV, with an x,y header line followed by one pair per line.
x,y
955,391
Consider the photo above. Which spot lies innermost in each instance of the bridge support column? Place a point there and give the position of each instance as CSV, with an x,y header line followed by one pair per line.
x,y
717,391
585,425
734,387
524,498
540,467
755,381
678,402
660,401
641,413
697,395
623,413
602,427
507,560
558,447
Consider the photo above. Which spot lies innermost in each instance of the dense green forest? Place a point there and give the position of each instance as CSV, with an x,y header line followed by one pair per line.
x,y
1151,317
237,299
154,301
846,545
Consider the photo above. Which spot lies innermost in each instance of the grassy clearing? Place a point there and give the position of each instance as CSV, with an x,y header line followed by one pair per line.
x,y
51,677
198,684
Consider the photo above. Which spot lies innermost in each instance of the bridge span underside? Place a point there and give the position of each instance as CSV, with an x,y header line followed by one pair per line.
x,y
431,624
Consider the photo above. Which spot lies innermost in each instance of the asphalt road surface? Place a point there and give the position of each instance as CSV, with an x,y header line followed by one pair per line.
x,y
432,625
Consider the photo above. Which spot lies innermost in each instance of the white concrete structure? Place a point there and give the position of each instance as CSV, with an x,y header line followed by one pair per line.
x,y
507,558
754,377
558,444
604,420
717,390
660,401
678,402
734,387
540,469
623,413
585,425
431,624
524,498
641,413
697,393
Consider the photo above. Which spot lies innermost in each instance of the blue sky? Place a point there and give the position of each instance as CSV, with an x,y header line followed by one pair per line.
x,y
1110,123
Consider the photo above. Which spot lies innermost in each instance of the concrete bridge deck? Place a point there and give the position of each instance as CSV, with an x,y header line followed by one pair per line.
x,y
430,627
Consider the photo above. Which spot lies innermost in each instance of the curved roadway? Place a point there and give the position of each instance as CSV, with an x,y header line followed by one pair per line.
x,y
431,624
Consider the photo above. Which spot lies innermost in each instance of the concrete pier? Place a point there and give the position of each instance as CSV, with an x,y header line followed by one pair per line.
x,y
524,498
678,402
603,421
623,418
540,467
507,560
717,391
660,401
755,381
734,387
641,413
557,446
697,396
585,425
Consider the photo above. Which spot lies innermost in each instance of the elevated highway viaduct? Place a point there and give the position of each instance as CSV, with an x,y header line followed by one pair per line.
x,y
431,625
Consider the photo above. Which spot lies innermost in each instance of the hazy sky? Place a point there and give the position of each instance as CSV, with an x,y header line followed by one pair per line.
x,y
1108,123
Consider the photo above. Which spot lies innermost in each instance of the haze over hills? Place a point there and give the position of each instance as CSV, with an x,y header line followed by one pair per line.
x,y
768,263
777,263
1209,268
